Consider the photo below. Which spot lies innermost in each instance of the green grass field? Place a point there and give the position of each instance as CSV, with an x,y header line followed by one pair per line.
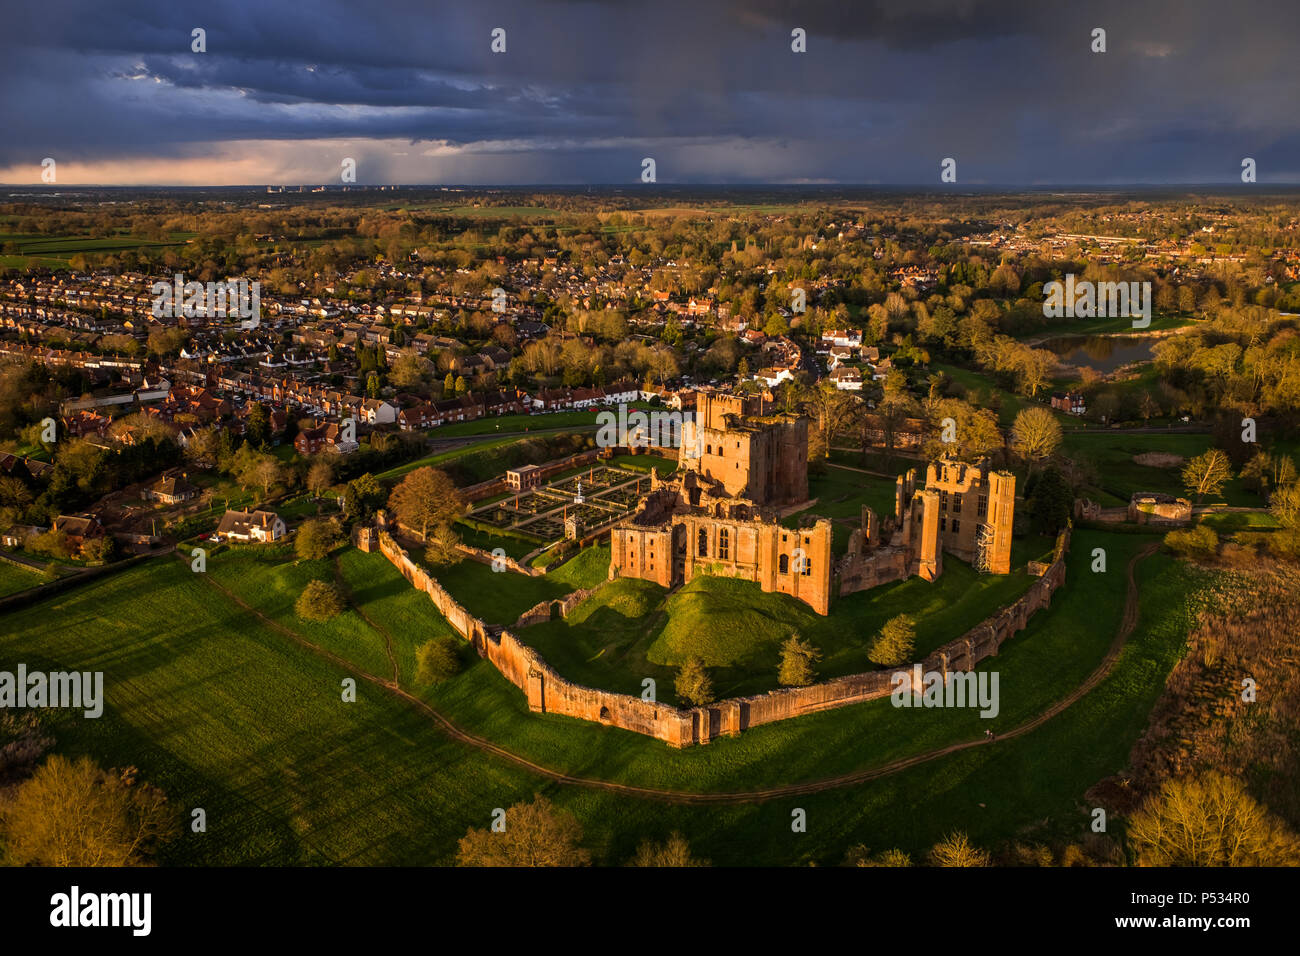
x,y
1228,522
1119,476
841,492
500,597
269,579
644,463
480,450
516,423
1033,784
57,251
516,547
230,715
578,420
1119,325
978,385
15,578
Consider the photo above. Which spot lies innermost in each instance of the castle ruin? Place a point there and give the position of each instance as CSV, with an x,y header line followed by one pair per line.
x,y
964,509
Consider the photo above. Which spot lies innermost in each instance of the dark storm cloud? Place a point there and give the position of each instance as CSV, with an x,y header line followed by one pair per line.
x,y
711,90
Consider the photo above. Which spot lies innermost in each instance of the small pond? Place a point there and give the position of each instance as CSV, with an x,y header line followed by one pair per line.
x,y
1105,353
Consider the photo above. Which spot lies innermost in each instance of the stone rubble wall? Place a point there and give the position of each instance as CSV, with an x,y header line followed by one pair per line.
x,y
545,610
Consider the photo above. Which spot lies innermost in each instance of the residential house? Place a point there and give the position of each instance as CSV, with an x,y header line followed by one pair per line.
x,y
17,535
170,490
847,379
1072,403
79,528
261,526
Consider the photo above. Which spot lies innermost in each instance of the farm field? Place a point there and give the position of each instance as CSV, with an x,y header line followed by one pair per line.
x,y
477,211
55,252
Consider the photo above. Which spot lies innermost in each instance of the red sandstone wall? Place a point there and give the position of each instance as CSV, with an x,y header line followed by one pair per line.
x,y
964,653
548,692
876,568
541,611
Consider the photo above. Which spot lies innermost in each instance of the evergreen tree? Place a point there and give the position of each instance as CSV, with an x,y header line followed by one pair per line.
x,y
693,682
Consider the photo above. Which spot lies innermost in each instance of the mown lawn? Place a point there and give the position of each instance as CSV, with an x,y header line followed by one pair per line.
x,y
579,420
270,579
442,458
406,616
514,545
1230,521
227,715
1009,403
516,423
841,493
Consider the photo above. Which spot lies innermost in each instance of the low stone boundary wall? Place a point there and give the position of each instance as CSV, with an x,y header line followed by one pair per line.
x,y
1085,509
548,692
485,489
487,557
980,642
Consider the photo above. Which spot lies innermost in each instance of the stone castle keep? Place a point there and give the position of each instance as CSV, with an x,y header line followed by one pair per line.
x,y
761,458
719,511
965,509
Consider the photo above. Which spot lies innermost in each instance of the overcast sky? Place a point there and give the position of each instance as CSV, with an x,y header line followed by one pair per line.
x,y
411,90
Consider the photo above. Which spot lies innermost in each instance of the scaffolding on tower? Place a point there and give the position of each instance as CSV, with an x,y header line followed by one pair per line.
x,y
983,547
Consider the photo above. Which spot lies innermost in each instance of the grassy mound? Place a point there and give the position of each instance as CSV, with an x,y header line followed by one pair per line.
x,y
628,598
727,622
